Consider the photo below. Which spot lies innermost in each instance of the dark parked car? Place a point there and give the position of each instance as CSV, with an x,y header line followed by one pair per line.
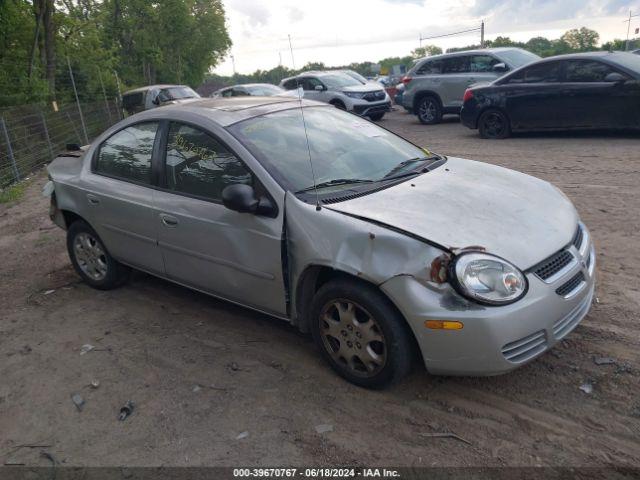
x,y
596,90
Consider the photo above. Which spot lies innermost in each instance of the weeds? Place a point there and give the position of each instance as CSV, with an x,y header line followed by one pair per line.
x,y
12,193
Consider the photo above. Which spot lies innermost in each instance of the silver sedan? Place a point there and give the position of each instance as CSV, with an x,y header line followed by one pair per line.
x,y
377,247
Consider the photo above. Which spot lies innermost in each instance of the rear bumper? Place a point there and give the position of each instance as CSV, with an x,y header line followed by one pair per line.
x,y
469,117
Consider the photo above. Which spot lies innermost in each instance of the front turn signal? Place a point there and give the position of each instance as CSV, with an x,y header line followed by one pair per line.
x,y
443,325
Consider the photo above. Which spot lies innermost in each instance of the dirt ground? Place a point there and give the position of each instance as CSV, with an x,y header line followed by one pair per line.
x,y
202,372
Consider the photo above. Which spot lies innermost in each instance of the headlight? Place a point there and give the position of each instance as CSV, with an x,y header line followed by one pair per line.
x,y
487,279
354,94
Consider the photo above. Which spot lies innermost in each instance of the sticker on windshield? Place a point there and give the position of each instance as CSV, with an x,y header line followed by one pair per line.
x,y
367,129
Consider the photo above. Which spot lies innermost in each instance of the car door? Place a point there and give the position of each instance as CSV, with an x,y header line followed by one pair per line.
x,y
532,95
120,198
309,85
591,100
236,256
456,78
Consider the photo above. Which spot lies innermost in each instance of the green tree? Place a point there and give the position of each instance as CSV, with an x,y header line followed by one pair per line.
x,y
581,40
426,51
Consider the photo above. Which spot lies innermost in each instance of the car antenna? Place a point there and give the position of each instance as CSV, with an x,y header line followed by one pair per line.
x,y
304,125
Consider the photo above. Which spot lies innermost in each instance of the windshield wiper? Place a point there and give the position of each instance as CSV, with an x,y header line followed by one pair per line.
x,y
393,173
335,181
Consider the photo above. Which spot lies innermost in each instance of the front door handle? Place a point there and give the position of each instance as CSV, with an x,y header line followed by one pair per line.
x,y
168,220
92,199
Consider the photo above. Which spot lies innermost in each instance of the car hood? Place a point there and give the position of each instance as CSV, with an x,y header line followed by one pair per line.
x,y
367,87
464,203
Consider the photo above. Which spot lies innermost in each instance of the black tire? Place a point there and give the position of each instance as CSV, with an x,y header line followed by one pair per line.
x,y
96,266
494,124
376,116
394,353
339,105
429,110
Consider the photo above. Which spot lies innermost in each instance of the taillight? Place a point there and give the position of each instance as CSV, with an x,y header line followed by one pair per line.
x,y
406,80
468,95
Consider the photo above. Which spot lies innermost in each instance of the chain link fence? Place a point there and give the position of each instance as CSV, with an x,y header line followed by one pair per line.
x,y
32,134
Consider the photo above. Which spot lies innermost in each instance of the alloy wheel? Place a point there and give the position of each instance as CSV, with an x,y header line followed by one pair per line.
x,y
352,337
428,110
90,256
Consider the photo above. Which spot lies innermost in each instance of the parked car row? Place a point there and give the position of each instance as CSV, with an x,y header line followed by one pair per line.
x,y
504,90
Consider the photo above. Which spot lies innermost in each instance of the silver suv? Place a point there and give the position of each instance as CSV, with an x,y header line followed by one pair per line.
x,y
342,91
435,85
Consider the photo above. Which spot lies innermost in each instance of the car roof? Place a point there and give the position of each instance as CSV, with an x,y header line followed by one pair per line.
x,y
247,85
477,51
227,111
148,87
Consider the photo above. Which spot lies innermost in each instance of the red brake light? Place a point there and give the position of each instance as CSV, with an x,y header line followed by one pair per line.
x,y
468,95
406,80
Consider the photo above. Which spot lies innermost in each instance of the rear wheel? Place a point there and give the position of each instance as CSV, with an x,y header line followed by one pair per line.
x,y
376,116
360,334
494,124
91,259
429,110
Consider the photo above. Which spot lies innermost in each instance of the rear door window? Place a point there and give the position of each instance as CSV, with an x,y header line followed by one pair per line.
x,y
430,67
127,154
290,84
199,165
459,64
548,72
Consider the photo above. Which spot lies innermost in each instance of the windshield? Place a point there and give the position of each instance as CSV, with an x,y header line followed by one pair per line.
x,y
264,90
516,57
176,93
342,146
355,75
339,80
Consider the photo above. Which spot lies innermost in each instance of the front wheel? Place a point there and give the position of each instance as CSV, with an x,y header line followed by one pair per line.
x,y
91,259
494,124
376,116
360,334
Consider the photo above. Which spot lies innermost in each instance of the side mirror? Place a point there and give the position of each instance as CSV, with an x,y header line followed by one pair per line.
x,y
156,101
614,77
240,198
319,88
500,67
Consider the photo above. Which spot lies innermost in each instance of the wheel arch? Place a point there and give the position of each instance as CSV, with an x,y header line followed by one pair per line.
x,y
337,101
314,277
417,98
71,217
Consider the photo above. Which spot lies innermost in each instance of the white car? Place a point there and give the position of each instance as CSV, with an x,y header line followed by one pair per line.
x,y
342,91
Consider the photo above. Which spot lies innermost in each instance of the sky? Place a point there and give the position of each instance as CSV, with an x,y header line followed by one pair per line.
x,y
338,32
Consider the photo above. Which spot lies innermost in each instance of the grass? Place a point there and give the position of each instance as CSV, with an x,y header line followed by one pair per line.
x,y
12,193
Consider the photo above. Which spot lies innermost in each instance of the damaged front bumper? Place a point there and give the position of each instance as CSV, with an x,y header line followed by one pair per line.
x,y
493,340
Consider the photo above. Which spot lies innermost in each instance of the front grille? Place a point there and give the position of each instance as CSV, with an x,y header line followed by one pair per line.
x,y
578,237
552,265
374,96
526,348
571,285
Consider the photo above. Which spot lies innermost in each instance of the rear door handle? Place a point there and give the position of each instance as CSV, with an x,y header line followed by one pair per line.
x,y
92,199
168,220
